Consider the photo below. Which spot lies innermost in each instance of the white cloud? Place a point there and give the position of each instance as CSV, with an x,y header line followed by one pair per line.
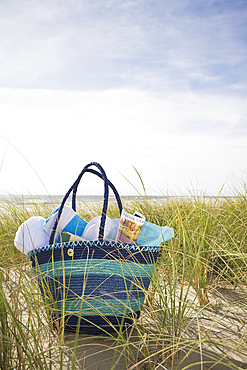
x,y
59,132
96,45
31,45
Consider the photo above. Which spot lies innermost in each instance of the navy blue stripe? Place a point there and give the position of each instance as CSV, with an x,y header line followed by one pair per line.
x,y
102,286
98,324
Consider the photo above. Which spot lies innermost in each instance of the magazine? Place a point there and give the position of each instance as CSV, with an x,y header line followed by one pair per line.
x,y
129,227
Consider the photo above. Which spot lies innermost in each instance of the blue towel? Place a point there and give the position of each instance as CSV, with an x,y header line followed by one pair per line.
x,y
154,235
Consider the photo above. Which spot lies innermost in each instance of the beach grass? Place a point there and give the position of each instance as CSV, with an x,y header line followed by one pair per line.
x,y
195,311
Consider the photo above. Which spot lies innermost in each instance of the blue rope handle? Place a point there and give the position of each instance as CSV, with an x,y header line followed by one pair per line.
x,y
74,187
119,202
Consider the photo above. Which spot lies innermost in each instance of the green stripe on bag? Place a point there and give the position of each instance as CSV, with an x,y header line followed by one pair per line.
x,y
101,306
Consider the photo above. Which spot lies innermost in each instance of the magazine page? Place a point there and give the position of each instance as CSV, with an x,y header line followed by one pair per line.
x,y
129,227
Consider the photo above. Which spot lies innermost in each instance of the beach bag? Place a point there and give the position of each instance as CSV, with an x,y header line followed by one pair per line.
x,y
98,286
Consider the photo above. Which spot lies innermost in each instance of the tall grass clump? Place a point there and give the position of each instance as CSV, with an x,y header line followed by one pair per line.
x,y
195,311
27,340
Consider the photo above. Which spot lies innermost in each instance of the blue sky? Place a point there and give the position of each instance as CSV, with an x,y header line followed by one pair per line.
x,y
159,85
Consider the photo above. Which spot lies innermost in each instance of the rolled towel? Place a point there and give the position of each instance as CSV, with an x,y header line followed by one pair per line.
x,y
69,221
154,235
91,231
31,235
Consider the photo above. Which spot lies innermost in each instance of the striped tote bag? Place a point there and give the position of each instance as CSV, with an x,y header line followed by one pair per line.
x,y
93,286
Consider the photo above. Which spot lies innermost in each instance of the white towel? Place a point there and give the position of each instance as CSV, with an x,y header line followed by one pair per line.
x,y
31,235
91,231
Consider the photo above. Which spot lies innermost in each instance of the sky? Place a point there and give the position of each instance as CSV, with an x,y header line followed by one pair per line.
x,y
151,88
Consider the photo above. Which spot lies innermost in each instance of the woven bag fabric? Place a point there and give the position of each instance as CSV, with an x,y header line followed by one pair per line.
x,y
102,283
